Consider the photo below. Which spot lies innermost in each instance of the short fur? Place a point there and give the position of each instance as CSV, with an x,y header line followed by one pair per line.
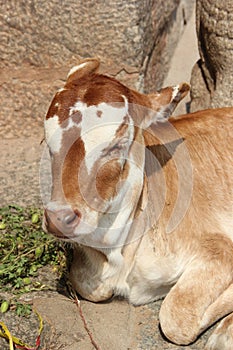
x,y
175,243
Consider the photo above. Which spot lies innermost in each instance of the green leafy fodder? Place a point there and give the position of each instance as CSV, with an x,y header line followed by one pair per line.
x,y
25,248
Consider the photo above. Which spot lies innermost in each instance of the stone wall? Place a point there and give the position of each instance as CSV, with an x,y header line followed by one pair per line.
x,y
41,40
212,75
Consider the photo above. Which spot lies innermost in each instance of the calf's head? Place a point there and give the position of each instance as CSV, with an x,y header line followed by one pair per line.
x,y
94,132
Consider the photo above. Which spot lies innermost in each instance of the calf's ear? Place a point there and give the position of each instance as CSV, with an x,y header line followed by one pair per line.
x,y
85,67
164,102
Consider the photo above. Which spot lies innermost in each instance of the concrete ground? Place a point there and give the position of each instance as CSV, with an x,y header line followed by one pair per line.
x,y
114,325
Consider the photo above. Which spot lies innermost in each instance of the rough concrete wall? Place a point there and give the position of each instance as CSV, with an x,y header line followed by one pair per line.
x,y
213,74
41,40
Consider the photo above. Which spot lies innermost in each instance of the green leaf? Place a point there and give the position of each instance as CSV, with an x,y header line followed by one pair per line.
x,y
35,218
5,306
2,225
38,252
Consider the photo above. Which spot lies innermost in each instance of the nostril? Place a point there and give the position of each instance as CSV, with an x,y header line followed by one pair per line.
x,y
69,219
62,221
72,217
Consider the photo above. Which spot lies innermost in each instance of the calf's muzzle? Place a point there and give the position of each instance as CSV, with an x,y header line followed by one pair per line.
x,y
61,222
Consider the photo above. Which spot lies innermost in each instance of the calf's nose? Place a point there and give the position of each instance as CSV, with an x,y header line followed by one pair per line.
x,y
61,222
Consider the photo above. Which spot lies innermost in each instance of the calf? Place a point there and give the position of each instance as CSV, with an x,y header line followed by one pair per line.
x,y
146,201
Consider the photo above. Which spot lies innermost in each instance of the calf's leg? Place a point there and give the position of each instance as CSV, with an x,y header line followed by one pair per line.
x,y
202,295
222,337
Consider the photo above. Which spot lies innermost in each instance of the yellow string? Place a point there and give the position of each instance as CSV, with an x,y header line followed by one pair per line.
x,y
5,333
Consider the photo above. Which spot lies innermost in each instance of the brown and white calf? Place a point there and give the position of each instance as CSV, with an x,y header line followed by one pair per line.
x,y
147,201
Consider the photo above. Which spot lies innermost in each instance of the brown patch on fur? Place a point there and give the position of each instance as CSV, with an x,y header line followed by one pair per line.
x,y
92,89
77,117
65,123
99,114
107,179
89,66
123,127
100,88
121,130
61,104
70,169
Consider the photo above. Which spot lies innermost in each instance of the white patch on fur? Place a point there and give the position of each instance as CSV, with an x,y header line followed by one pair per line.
x,y
175,91
98,132
61,89
112,234
78,106
53,133
75,68
153,284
